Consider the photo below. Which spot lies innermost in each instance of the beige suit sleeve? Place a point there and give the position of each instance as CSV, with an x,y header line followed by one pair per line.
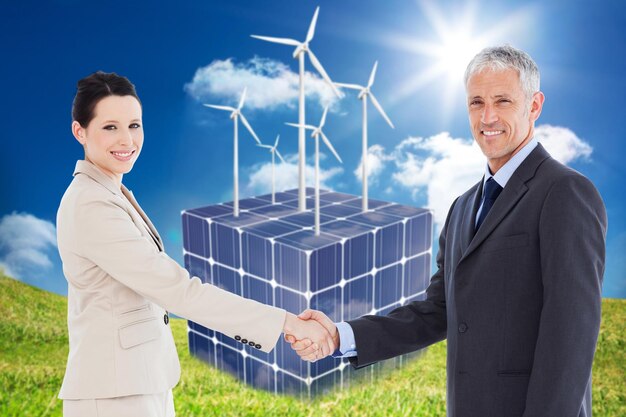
x,y
109,238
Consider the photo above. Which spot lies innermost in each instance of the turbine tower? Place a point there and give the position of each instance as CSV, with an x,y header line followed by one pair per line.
x,y
273,151
303,48
317,132
235,115
366,92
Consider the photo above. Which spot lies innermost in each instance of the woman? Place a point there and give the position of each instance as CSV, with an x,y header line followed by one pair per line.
x,y
121,284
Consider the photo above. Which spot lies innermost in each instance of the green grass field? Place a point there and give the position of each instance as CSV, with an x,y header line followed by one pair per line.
x,y
33,350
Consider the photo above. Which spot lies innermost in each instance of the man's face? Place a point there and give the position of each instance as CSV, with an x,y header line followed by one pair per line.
x,y
501,117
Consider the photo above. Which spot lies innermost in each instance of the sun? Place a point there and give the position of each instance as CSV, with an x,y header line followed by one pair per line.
x,y
448,42
455,51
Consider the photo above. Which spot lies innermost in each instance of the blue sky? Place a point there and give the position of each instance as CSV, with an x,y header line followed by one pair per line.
x,y
180,55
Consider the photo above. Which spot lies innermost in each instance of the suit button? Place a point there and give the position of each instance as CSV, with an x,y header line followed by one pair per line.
x,y
462,328
237,338
166,318
244,341
258,346
251,343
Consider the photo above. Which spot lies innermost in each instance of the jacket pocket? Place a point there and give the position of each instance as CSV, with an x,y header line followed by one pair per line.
x,y
514,373
512,391
139,332
137,309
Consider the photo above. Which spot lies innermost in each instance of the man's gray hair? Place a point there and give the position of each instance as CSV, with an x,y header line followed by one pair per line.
x,y
498,58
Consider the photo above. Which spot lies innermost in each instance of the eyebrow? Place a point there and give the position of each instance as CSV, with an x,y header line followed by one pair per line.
x,y
496,96
115,121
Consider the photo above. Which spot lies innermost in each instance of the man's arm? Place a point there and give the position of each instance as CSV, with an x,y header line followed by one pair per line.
x,y
347,343
405,329
572,249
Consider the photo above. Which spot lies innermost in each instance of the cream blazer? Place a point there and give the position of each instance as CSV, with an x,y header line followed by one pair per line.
x,y
121,285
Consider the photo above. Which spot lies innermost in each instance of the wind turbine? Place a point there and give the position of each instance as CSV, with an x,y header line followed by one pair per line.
x,y
317,132
273,151
302,48
366,92
235,115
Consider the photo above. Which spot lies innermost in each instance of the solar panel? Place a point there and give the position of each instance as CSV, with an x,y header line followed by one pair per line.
x,y
361,263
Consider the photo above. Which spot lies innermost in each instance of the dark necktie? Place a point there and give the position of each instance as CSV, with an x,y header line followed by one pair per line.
x,y
492,191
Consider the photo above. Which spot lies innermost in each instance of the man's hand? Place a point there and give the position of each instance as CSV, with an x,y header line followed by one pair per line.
x,y
310,335
305,348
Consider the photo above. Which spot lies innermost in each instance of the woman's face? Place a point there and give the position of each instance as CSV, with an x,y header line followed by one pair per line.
x,y
113,139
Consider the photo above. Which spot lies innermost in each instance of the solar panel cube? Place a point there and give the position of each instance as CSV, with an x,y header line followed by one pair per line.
x,y
260,374
389,236
230,360
202,348
361,263
388,285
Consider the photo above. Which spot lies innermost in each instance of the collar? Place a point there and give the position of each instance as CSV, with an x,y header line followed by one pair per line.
x,y
92,171
504,174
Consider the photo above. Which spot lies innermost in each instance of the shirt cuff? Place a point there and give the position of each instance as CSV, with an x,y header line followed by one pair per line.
x,y
347,344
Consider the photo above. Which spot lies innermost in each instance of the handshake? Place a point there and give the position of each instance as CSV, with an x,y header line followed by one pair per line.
x,y
312,335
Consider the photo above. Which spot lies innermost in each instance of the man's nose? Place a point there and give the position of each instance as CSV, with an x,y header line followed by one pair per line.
x,y
489,115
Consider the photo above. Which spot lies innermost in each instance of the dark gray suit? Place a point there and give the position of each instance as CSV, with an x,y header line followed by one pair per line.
x,y
519,301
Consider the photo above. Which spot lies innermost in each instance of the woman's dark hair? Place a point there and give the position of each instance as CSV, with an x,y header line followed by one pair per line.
x,y
93,88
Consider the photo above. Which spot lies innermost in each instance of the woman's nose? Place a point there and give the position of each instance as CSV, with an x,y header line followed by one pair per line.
x,y
126,138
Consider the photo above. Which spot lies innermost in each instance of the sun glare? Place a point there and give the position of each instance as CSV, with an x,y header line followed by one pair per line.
x,y
448,42
454,53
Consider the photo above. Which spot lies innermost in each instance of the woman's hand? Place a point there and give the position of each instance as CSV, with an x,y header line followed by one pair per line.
x,y
312,335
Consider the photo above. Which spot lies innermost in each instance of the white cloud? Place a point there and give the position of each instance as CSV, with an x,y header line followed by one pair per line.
x,y
270,84
562,143
286,175
376,160
444,167
24,243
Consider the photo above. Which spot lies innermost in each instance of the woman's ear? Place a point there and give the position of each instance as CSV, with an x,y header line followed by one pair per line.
x,y
79,132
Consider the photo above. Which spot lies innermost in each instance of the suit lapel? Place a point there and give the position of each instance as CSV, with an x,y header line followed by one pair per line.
x,y
144,218
513,191
135,211
89,169
469,215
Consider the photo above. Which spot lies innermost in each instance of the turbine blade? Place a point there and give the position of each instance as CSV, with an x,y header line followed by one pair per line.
x,y
309,127
261,145
311,31
279,155
372,75
297,51
247,125
276,143
214,106
243,98
320,69
351,86
380,110
284,41
330,146
323,121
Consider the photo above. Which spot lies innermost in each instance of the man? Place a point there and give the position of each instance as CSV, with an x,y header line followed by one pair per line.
x,y
517,292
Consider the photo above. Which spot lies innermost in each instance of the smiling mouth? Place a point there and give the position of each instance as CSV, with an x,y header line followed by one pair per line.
x,y
123,156
492,132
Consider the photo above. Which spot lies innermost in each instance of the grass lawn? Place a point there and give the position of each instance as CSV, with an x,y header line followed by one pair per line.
x,y
33,350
